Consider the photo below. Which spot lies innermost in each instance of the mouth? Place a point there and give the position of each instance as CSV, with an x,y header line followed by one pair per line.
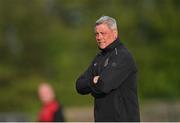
x,y
101,44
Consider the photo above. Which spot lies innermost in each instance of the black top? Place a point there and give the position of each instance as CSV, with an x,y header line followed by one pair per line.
x,y
115,93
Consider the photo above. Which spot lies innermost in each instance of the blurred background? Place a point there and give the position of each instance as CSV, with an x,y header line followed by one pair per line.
x,y
53,41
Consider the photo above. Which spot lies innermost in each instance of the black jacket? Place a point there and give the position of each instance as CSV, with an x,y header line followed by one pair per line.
x,y
115,93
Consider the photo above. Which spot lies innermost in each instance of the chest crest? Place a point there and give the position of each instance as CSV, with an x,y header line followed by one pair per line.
x,y
106,62
95,64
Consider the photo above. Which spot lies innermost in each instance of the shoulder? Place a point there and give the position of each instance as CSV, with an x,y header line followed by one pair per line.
x,y
123,55
121,52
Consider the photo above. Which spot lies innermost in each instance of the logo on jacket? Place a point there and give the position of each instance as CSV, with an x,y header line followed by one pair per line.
x,y
106,62
95,64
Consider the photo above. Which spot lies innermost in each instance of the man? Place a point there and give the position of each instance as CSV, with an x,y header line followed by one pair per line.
x,y
111,78
51,110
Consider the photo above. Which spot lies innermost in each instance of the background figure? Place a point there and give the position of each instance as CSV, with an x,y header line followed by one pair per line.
x,y
51,110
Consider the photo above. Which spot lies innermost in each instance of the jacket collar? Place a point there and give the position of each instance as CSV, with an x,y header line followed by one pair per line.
x,y
113,45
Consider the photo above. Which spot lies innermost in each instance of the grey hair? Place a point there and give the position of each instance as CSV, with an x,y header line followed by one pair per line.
x,y
109,21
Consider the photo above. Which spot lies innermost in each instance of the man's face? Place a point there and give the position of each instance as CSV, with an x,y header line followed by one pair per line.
x,y
104,35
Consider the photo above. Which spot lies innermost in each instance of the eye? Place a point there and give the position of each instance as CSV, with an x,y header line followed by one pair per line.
x,y
103,33
96,33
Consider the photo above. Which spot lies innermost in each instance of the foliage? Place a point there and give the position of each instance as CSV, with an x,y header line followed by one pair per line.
x,y
53,40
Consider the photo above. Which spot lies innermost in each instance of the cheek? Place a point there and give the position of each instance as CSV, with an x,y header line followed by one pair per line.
x,y
96,37
108,37
111,36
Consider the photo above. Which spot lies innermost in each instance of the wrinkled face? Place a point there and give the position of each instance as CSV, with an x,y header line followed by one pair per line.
x,y
104,35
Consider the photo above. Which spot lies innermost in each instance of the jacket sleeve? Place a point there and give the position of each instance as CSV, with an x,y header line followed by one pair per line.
x,y
59,115
83,82
118,70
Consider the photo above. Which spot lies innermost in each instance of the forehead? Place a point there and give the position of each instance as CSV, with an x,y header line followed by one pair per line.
x,y
102,27
44,88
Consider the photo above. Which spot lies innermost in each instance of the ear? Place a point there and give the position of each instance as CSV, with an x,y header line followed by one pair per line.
x,y
115,33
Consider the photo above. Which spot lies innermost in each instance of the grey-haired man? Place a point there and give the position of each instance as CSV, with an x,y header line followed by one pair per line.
x,y
111,77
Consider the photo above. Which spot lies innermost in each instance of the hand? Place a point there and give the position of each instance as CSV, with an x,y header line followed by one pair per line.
x,y
95,79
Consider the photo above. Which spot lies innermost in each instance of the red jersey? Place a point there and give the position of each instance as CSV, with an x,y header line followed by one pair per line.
x,y
48,111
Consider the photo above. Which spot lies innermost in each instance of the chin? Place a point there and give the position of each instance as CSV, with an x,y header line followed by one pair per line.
x,y
101,47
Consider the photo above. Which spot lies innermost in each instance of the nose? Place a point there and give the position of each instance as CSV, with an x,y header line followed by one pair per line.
x,y
98,37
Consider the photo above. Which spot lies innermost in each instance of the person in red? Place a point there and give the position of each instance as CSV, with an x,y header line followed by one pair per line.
x,y
51,110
